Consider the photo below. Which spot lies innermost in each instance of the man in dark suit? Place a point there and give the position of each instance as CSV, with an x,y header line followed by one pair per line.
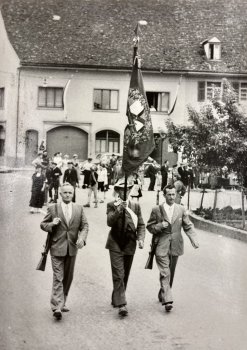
x,y
165,224
127,227
68,226
55,178
151,172
164,173
71,176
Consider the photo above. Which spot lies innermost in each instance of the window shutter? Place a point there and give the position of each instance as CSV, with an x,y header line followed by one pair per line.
x,y
201,91
235,86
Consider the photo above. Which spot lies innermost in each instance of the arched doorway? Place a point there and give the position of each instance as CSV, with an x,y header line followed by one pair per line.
x,y
107,141
68,140
31,146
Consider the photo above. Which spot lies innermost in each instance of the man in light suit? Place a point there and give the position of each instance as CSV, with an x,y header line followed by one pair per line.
x,y
127,227
165,224
68,226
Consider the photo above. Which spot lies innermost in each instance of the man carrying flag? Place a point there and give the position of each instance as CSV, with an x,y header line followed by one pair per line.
x,y
123,216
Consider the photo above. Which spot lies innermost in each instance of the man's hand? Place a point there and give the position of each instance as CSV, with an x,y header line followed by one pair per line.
x,y
80,243
56,221
195,244
165,224
140,244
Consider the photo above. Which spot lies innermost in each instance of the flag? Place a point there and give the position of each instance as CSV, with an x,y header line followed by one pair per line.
x,y
138,134
176,97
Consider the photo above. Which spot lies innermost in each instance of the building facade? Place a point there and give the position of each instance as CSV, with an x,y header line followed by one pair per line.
x,y
77,103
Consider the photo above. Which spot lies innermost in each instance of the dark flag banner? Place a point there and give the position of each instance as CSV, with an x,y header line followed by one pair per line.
x,y
138,134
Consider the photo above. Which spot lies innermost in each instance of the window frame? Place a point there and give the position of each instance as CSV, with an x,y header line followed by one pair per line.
x,y
203,89
55,89
108,140
158,98
102,90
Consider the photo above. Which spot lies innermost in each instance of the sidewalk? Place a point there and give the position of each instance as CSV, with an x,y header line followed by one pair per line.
x,y
6,169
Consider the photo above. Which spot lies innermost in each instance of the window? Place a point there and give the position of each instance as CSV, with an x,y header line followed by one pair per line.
x,y
212,89
107,141
50,97
158,101
207,90
212,48
1,97
105,99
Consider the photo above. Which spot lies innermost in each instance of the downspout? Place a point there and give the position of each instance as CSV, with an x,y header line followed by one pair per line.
x,y
17,116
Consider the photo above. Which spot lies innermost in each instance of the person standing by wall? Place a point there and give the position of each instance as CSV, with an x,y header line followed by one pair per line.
x,y
121,241
67,224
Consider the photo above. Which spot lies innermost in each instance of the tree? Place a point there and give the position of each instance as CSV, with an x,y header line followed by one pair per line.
x,y
217,134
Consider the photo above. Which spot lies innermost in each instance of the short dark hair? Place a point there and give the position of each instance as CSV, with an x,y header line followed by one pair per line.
x,y
168,187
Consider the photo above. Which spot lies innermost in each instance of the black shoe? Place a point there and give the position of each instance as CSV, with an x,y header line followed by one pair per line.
x,y
123,311
57,314
168,307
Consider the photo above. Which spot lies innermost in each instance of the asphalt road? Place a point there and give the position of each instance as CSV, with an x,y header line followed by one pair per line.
x,y
210,309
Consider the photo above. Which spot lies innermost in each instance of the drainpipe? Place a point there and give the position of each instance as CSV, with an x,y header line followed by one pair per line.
x,y
17,115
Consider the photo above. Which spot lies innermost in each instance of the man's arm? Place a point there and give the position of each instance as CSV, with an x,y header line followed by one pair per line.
x,y
48,223
112,214
83,231
189,229
140,227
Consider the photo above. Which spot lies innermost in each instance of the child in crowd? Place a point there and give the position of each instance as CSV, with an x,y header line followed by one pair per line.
x,y
102,181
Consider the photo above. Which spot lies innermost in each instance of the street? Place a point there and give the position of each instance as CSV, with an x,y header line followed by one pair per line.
x,y
210,308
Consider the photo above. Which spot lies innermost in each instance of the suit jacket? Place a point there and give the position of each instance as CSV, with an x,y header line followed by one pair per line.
x,y
131,234
70,175
170,240
64,236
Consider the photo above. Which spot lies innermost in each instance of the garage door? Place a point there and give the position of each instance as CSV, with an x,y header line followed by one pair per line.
x,y
68,140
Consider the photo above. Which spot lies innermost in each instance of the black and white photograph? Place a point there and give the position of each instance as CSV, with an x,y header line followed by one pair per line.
x,y
123,172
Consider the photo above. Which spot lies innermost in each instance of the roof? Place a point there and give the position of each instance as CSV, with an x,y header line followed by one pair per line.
x,y
99,33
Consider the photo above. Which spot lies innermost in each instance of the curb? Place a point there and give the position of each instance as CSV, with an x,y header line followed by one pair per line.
x,y
219,229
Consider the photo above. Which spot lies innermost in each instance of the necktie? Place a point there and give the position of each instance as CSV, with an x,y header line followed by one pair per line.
x,y
66,214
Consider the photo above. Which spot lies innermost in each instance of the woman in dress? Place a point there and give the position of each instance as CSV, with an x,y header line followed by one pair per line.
x,y
136,191
38,190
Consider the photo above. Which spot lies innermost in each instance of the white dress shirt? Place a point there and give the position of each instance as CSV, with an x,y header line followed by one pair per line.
x,y
169,209
67,210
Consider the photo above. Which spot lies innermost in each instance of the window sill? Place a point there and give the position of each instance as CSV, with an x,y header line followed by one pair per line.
x,y
105,111
51,108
